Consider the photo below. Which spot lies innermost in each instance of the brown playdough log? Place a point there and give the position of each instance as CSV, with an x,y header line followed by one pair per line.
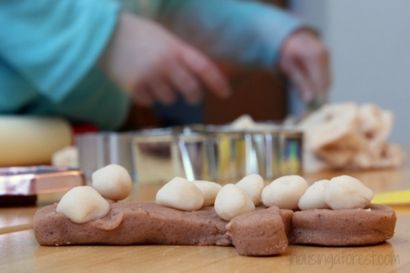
x,y
346,227
260,233
133,223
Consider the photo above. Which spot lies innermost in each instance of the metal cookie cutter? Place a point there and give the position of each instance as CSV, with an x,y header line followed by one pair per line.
x,y
200,152
97,150
161,154
279,151
270,150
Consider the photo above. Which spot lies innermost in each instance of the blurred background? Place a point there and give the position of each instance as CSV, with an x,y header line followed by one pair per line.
x,y
369,41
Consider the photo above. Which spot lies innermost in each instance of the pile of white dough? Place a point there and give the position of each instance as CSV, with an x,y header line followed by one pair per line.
x,y
286,192
349,136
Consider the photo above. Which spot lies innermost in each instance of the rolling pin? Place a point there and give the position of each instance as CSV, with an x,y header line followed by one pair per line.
x,y
31,140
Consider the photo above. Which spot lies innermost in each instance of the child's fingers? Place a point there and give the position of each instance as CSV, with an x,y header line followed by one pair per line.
x,y
318,69
185,82
143,96
300,79
162,91
206,71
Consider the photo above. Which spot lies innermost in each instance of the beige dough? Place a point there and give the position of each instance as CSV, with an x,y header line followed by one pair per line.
x,y
284,192
231,201
347,192
31,140
209,190
113,182
349,136
181,194
82,204
253,185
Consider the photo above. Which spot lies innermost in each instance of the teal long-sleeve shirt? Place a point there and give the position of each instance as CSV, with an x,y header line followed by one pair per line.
x,y
49,49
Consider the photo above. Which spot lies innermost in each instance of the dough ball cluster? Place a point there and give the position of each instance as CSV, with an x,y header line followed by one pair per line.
x,y
286,192
85,203
341,192
229,201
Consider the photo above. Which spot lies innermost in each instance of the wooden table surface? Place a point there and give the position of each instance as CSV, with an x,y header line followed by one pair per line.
x,y
19,251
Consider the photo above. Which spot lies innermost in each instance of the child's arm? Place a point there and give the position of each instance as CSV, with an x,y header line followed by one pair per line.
x,y
53,44
243,31
252,33
153,65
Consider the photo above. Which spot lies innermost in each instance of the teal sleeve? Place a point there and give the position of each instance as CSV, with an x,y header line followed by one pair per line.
x,y
246,32
53,44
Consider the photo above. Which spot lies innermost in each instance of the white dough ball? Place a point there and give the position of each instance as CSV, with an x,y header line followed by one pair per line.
x,y
82,204
209,191
253,185
314,196
113,182
347,192
179,193
231,201
284,192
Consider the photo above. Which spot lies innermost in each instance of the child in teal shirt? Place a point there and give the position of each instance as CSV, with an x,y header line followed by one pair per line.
x,y
88,60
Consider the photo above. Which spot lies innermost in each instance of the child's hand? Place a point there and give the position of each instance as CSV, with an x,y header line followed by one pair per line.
x,y
305,60
153,65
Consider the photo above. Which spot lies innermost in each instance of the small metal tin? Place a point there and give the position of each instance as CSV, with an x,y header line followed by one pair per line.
x,y
31,181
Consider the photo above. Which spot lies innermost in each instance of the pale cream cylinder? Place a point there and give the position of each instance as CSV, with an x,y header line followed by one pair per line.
x,y
31,140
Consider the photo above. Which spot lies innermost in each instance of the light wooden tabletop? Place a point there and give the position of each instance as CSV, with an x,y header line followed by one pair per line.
x,y
19,251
